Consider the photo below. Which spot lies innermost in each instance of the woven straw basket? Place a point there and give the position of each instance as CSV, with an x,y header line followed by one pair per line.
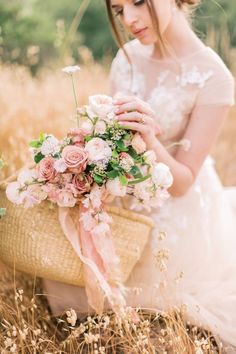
x,y
32,241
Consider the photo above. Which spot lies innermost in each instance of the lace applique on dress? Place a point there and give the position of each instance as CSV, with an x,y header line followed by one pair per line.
x,y
193,76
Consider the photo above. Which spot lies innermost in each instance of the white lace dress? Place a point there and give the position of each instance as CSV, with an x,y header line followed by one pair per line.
x,y
198,248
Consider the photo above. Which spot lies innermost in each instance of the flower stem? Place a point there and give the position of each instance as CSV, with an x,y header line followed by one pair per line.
x,y
76,101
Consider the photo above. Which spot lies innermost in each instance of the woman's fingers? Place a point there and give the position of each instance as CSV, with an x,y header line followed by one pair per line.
x,y
131,109
141,128
134,117
136,105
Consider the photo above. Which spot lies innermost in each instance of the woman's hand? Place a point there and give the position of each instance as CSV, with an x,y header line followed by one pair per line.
x,y
137,115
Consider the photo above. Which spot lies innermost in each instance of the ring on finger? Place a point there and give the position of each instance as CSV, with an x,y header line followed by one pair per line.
x,y
142,120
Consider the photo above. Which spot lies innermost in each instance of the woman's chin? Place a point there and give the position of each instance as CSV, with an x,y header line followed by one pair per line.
x,y
146,41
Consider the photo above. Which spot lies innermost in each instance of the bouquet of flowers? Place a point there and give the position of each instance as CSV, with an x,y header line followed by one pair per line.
x,y
92,164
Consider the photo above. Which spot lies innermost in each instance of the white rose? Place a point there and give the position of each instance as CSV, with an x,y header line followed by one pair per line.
x,y
101,105
90,112
161,175
138,143
114,187
50,146
100,127
98,150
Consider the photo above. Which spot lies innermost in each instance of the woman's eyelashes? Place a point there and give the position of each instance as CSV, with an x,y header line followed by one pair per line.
x,y
119,10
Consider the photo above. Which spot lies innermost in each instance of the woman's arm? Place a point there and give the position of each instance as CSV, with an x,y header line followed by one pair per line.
x,y
203,128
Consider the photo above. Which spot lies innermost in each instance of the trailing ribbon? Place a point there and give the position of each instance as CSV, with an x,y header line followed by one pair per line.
x,y
100,262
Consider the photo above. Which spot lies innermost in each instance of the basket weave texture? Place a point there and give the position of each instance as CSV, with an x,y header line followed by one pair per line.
x,y
32,241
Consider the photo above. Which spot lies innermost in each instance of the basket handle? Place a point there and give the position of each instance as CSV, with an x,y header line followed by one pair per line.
x,y
14,176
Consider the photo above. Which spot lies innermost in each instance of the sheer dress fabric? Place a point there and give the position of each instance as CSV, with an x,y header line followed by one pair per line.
x,y
199,247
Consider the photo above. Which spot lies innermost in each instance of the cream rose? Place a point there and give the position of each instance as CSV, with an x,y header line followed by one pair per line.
x,y
138,143
101,105
98,150
150,157
161,175
75,158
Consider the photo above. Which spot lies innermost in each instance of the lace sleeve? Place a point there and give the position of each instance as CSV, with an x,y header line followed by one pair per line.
x,y
219,89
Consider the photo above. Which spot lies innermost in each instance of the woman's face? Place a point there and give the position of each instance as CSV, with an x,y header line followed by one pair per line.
x,y
135,17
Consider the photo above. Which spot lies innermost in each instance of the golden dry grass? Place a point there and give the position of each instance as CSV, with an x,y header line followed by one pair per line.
x,y
30,106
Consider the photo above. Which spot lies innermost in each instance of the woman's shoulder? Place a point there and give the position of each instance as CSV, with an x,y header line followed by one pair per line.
x,y
219,86
131,48
210,60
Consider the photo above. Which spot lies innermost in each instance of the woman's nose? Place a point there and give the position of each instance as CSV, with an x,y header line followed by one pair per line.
x,y
130,17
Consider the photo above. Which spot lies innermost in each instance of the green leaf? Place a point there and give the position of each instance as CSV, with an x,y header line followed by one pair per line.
x,y
133,153
88,138
35,144
121,146
2,212
112,174
115,153
42,137
123,180
139,180
135,171
38,157
2,163
98,179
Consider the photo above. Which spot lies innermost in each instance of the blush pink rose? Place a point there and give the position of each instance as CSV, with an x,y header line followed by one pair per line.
x,y
82,183
75,158
46,168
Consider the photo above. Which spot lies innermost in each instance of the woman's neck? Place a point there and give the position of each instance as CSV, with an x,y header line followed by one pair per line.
x,y
180,39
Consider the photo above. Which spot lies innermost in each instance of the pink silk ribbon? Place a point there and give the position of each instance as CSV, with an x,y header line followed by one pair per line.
x,y
100,262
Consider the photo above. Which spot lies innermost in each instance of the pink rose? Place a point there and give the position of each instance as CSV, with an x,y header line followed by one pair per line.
x,y
82,183
75,158
46,168
138,143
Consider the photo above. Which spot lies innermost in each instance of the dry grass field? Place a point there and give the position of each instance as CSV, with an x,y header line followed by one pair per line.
x,y
27,107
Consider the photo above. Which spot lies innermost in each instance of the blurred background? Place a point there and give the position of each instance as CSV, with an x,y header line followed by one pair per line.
x,y
38,38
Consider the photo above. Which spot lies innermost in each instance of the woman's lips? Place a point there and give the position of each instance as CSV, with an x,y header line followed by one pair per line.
x,y
140,32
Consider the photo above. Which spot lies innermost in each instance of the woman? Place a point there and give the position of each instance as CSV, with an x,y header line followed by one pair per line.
x,y
173,88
